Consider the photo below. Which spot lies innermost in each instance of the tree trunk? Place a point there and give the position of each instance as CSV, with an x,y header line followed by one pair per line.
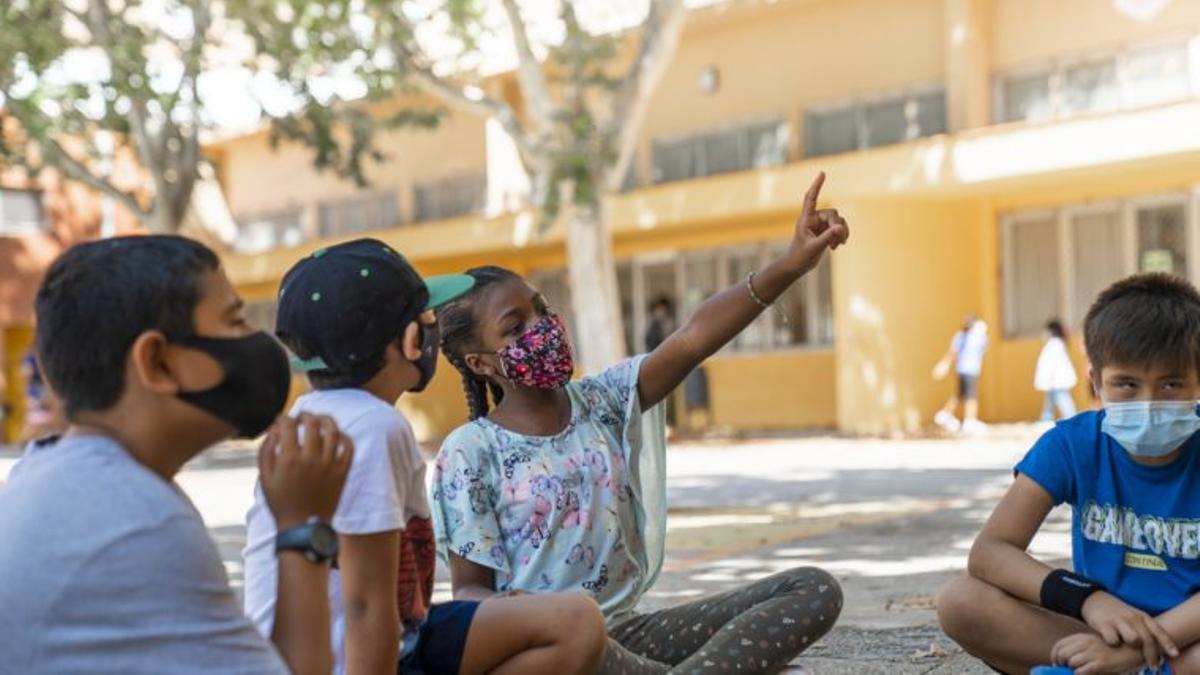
x,y
593,278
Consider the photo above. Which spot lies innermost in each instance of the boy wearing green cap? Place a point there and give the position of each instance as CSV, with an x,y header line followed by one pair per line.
x,y
359,320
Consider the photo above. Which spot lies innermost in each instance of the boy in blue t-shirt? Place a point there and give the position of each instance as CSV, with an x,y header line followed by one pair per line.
x,y
1131,473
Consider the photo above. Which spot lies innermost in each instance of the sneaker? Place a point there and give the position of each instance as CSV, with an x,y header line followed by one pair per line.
x,y
947,421
974,427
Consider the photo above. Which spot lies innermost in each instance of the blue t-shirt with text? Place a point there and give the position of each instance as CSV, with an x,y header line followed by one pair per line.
x,y
1135,529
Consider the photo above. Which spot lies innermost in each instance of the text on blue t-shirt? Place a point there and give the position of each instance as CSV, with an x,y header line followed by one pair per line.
x,y
1135,529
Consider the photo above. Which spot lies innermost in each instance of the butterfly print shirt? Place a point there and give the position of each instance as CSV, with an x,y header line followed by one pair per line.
x,y
562,512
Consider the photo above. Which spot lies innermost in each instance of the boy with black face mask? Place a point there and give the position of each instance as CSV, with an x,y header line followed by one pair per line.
x,y
104,562
360,321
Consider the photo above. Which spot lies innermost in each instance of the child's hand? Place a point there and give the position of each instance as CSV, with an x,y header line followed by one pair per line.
x,y
816,230
1119,624
1088,655
302,466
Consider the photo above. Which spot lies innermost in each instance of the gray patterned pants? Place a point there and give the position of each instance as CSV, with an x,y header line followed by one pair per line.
x,y
753,629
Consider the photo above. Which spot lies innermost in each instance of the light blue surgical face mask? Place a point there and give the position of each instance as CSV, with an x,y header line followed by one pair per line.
x,y
1151,428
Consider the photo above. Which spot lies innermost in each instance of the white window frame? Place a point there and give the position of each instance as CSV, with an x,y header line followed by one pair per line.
x,y
719,257
1062,216
1056,70
694,139
1067,253
1183,199
1008,223
858,105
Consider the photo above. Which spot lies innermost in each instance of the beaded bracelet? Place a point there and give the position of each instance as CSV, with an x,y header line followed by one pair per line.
x,y
763,303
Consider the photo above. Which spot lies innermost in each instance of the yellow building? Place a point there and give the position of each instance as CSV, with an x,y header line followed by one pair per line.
x,y
1004,157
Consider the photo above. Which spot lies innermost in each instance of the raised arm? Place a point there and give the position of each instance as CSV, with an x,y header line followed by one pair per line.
x,y
720,318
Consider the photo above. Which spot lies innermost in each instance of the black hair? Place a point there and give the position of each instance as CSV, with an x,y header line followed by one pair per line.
x,y
458,322
330,378
98,297
334,379
1145,319
664,302
1056,329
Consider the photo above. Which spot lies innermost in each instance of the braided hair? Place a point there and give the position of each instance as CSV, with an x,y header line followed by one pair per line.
x,y
459,327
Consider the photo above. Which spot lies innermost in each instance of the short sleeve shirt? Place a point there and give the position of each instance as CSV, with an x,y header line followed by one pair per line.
x,y
108,568
1134,528
577,511
384,489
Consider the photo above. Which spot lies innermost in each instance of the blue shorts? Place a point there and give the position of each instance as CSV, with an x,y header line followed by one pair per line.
x,y
441,640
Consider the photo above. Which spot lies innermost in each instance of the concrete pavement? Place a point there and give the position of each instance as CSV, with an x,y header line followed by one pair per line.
x,y
892,519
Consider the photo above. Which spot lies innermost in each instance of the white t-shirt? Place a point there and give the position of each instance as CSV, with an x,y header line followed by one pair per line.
x,y
1055,371
384,489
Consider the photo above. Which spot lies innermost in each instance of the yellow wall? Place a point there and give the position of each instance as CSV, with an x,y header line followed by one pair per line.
x,y
781,390
258,179
901,289
1035,32
15,343
783,58
439,409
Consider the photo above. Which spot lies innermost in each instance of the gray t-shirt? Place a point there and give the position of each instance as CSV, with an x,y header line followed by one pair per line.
x,y
107,568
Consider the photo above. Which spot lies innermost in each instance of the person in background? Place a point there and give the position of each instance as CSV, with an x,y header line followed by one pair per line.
x,y
41,416
966,354
1055,374
662,324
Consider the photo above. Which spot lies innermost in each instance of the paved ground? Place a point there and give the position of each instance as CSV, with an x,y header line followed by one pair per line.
x,y
893,520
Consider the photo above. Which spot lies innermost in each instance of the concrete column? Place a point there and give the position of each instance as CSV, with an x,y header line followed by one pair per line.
x,y
911,273
968,63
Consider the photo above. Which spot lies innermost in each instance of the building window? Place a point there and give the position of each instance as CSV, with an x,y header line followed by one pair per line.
x,y
21,212
688,279
1056,262
270,230
1131,79
1031,272
376,211
831,130
738,148
1096,255
1162,238
450,197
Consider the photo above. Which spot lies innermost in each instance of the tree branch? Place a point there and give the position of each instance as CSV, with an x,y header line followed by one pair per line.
x,y
529,71
484,106
57,156
660,36
100,16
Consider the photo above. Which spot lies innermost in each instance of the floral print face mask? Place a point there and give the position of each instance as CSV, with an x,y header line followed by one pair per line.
x,y
541,357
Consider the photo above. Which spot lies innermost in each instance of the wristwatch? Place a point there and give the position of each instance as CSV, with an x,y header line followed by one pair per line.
x,y
315,539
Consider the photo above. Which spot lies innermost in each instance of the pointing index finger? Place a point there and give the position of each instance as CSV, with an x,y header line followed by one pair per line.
x,y
814,192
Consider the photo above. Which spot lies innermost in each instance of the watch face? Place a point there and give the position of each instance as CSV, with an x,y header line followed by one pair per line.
x,y
324,541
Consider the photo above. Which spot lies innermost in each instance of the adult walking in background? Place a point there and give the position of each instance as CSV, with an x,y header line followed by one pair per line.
x,y
1055,374
967,348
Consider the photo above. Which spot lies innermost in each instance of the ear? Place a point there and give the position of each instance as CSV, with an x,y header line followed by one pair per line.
x,y
410,341
152,364
480,367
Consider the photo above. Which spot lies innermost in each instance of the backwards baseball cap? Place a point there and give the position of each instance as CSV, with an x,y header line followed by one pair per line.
x,y
341,306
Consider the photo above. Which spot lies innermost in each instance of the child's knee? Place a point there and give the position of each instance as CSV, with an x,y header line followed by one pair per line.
x,y
960,606
582,632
